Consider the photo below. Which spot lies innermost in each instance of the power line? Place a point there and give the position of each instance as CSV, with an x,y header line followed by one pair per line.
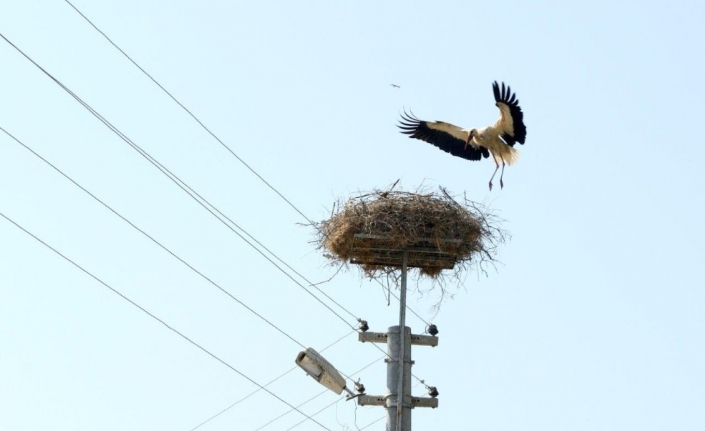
x,y
287,412
371,423
324,408
329,406
316,396
196,197
62,173
157,318
190,113
388,356
267,384
187,189
407,307
163,247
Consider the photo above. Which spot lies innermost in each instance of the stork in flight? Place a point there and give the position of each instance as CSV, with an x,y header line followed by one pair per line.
x,y
474,144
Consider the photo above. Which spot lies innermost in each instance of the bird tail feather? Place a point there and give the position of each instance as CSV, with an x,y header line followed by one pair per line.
x,y
511,156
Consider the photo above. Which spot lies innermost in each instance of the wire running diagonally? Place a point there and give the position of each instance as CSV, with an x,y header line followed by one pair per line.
x,y
144,310
316,413
207,129
407,307
190,267
316,396
163,247
265,385
188,111
372,423
192,193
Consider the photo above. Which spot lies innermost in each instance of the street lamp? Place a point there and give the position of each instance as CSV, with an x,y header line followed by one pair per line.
x,y
322,371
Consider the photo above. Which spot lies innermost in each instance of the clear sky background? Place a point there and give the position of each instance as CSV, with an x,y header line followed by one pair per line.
x,y
593,321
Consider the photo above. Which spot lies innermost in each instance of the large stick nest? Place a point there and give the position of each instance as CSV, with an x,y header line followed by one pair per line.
x,y
438,231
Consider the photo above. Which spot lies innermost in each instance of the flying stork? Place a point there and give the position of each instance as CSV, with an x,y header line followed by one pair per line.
x,y
474,144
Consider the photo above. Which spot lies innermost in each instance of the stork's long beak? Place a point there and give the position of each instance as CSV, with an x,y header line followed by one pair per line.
x,y
467,141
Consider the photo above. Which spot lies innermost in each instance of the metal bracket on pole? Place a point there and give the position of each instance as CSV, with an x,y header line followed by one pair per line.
x,y
381,337
424,402
371,400
377,400
399,339
424,340
372,337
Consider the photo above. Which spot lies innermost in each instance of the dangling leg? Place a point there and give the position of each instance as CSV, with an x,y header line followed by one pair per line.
x,y
501,184
495,171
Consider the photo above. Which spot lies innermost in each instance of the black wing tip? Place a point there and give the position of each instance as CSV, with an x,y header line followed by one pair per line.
x,y
408,115
496,92
409,124
415,128
504,94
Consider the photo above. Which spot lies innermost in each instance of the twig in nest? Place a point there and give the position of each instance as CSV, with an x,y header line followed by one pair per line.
x,y
445,237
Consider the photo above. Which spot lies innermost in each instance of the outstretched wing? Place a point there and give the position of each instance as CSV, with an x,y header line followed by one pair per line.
x,y
511,123
445,136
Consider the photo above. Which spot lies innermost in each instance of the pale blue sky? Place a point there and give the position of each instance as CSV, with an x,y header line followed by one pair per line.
x,y
594,321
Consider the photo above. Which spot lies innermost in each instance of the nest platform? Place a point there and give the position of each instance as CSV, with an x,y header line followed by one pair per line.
x,y
437,231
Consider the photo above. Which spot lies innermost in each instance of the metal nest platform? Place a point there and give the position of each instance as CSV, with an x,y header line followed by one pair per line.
x,y
378,250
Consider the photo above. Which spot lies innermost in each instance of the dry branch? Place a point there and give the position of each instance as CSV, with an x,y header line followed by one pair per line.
x,y
445,236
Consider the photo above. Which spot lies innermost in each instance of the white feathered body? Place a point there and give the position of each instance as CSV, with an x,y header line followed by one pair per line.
x,y
488,137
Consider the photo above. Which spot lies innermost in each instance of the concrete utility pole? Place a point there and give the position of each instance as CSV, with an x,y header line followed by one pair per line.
x,y
399,339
